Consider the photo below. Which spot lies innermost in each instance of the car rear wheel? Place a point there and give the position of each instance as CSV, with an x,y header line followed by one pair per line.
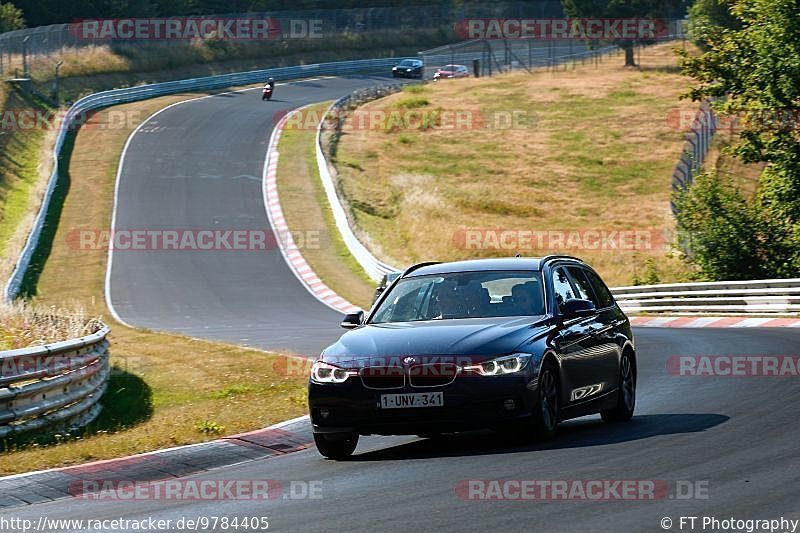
x,y
336,445
545,416
626,397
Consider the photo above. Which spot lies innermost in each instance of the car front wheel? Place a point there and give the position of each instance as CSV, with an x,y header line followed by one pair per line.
x,y
545,416
626,398
336,445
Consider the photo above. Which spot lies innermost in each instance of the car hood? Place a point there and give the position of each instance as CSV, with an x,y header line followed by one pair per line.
x,y
475,337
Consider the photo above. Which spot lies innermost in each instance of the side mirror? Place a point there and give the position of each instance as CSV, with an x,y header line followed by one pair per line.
x,y
353,320
579,308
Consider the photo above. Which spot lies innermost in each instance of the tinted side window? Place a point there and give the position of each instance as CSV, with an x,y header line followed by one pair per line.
x,y
604,297
562,288
582,285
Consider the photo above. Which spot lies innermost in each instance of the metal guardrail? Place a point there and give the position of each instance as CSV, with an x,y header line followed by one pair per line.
x,y
374,267
118,96
770,296
53,386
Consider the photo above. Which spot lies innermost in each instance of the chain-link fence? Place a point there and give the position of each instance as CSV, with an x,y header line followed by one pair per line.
x,y
492,56
42,47
698,142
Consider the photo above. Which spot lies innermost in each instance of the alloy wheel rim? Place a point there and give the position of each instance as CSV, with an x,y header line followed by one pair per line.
x,y
549,399
628,386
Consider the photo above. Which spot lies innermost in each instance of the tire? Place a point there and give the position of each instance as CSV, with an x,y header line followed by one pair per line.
x,y
626,396
336,446
545,417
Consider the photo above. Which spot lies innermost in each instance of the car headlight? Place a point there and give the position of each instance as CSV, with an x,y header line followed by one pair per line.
x,y
322,372
408,70
508,364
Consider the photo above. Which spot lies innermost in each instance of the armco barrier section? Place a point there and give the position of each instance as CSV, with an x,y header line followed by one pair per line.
x,y
770,296
374,267
53,386
119,96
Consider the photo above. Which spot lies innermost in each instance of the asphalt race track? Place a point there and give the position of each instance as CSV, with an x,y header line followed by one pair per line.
x,y
733,438
729,444
198,165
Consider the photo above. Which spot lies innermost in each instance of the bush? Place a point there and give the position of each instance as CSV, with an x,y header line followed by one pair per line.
x,y
731,237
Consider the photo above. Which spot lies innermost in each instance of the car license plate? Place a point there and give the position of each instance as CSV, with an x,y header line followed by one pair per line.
x,y
418,399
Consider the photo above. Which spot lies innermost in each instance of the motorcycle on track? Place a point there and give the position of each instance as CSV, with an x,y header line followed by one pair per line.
x,y
269,88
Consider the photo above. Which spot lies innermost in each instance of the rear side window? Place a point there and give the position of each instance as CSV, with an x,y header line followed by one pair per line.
x,y
604,297
582,285
562,288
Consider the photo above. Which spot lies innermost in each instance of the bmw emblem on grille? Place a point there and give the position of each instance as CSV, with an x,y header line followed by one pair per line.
x,y
409,360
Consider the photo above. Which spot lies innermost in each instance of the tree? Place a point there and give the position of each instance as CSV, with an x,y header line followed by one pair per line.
x,y
731,236
707,18
754,73
10,18
624,9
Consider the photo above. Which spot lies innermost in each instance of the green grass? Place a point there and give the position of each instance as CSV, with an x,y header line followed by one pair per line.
x,y
21,151
412,102
306,207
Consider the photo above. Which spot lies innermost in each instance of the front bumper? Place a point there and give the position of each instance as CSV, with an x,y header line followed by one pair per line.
x,y
470,402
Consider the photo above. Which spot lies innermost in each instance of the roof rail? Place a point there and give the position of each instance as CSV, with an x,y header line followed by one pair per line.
x,y
412,268
553,257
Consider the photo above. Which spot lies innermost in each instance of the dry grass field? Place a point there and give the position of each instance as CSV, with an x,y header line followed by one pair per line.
x,y
568,153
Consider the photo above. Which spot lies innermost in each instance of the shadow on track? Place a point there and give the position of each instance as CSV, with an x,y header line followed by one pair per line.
x,y
574,434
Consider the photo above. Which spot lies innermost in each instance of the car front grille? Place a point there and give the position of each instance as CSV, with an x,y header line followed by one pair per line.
x,y
417,376
432,375
383,377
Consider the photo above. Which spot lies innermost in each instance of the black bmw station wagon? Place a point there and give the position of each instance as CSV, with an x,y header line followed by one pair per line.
x,y
489,343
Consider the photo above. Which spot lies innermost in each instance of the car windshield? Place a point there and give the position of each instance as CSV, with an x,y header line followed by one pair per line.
x,y
449,68
462,295
408,63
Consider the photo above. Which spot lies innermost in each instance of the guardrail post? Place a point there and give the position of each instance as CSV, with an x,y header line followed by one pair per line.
x,y
25,71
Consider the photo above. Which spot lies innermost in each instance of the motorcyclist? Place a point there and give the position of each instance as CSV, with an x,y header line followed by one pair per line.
x,y
269,88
